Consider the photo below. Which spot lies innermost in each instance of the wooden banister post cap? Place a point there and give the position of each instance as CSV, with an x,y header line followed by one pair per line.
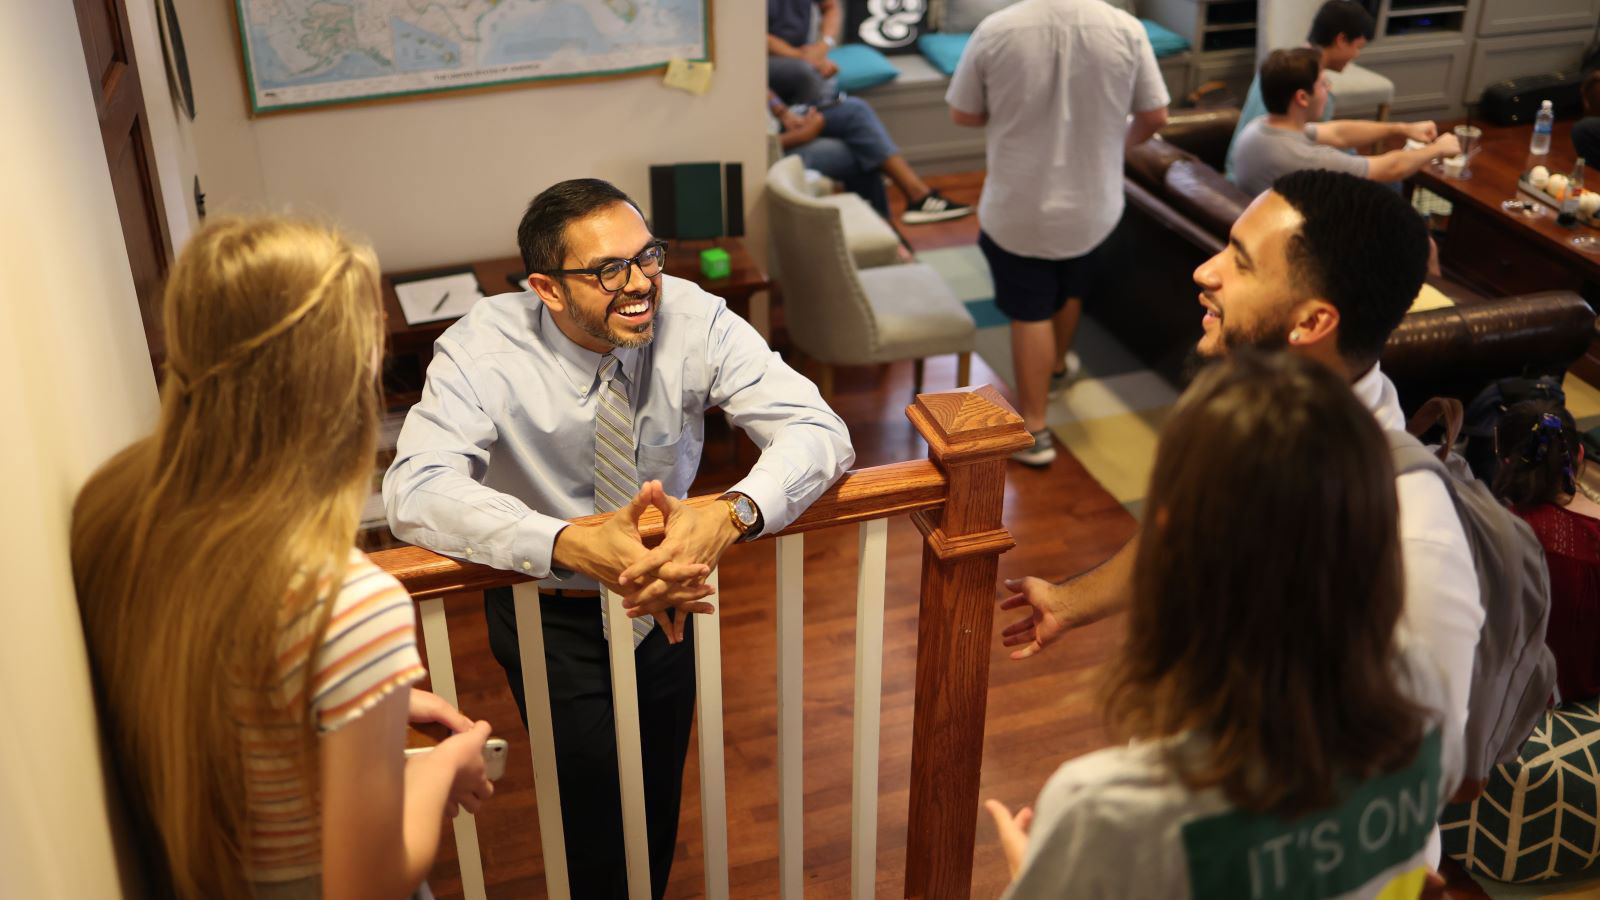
x,y
969,425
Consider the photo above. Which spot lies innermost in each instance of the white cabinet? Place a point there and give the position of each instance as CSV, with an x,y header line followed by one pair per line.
x,y
1523,16
1498,58
1428,74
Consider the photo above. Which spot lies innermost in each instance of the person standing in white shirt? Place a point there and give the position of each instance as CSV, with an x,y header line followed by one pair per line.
x,y
1053,82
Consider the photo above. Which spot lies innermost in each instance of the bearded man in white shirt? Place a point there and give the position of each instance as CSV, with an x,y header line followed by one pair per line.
x,y
1325,264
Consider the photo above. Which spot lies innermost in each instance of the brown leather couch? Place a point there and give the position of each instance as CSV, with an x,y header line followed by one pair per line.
x,y
1179,210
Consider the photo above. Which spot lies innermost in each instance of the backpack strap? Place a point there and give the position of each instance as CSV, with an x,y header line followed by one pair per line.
x,y
1410,455
1446,408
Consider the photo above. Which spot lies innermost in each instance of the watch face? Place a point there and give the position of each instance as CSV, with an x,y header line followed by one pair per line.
x,y
746,510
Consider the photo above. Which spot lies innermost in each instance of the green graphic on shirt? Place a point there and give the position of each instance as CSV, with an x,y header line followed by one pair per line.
x,y
1379,823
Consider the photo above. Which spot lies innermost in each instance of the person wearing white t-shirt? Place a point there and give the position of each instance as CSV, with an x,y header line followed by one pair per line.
x,y
1292,737
1053,82
1323,265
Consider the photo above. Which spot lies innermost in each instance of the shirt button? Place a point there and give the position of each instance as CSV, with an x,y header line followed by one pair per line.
x,y
469,551
527,566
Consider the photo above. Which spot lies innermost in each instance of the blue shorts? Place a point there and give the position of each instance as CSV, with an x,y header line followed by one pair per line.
x,y
1030,289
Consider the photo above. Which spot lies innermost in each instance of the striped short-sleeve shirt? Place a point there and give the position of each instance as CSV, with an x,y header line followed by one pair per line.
x,y
369,650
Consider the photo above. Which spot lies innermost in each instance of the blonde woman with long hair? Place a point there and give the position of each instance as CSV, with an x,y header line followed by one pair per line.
x,y
254,668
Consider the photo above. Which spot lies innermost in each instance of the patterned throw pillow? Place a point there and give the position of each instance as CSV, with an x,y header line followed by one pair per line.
x,y
1536,818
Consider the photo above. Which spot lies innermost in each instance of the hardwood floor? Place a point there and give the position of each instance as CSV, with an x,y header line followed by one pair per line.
x,y
1041,711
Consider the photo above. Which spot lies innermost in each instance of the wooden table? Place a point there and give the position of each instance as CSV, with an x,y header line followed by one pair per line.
x,y
746,288
1511,252
1504,253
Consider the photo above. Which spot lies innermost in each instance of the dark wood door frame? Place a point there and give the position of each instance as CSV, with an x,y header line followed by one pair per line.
x,y
130,153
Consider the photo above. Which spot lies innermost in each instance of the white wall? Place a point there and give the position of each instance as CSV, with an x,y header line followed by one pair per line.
x,y
169,125
445,179
75,385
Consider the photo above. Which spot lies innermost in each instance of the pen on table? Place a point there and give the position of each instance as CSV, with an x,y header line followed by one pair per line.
x,y
437,306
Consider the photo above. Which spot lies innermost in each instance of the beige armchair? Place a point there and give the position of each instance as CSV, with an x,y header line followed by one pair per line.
x,y
841,315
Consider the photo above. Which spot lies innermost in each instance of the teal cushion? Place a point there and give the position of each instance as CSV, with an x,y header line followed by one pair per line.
x,y
1536,818
861,67
943,50
1164,41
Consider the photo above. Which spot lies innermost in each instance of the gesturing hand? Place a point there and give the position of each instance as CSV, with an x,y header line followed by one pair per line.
x,y
1013,832
1044,623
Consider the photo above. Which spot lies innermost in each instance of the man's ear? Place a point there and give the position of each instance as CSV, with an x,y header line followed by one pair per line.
x,y
548,290
1302,98
1314,321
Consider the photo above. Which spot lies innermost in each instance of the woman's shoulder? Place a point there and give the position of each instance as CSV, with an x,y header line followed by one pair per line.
x,y
1129,786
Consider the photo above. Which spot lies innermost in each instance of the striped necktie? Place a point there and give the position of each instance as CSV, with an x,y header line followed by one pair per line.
x,y
616,477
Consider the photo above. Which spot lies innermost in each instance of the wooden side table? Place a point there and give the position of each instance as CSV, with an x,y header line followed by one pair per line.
x,y
746,288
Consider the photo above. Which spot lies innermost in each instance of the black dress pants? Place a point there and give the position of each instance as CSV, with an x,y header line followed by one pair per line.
x,y
579,669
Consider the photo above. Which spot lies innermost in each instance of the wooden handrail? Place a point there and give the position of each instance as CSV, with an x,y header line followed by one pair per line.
x,y
861,494
955,498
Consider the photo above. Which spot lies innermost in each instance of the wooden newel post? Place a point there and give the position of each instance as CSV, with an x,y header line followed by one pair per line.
x,y
969,435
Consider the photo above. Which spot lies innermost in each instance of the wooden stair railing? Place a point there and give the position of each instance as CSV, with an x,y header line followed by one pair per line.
x,y
955,499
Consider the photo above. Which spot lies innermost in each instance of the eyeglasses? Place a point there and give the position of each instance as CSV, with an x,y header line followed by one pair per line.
x,y
613,274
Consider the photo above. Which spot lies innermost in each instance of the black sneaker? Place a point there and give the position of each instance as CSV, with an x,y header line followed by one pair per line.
x,y
933,208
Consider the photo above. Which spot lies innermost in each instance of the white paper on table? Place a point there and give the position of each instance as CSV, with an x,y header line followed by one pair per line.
x,y
432,299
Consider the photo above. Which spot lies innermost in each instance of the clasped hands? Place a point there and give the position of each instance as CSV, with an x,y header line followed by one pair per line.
x,y
667,582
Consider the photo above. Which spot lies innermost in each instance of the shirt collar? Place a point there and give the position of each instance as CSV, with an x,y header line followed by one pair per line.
x,y
581,365
1376,392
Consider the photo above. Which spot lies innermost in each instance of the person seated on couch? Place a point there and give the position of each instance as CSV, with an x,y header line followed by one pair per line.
x,y
1339,31
1542,802
799,74
1540,455
847,142
1288,139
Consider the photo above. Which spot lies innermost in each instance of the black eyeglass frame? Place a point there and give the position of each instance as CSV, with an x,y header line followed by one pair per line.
x,y
627,271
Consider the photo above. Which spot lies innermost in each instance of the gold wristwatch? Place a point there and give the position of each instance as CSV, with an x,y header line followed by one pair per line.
x,y
744,514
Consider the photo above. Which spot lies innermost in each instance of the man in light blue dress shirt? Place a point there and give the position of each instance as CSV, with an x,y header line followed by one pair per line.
x,y
521,396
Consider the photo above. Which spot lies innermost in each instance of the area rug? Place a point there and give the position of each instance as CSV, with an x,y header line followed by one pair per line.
x,y
1109,418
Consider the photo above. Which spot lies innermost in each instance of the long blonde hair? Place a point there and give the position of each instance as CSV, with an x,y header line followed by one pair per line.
x,y
194,545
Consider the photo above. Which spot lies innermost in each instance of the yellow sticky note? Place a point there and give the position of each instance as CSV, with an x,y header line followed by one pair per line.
x,y
694,77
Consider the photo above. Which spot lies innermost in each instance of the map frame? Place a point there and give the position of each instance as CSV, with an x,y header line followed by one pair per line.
x,y
255,110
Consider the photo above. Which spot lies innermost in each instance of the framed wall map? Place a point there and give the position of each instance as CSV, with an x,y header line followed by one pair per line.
x,y
301,54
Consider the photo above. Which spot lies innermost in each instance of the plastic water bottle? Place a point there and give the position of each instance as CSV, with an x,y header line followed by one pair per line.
x,y
1540,145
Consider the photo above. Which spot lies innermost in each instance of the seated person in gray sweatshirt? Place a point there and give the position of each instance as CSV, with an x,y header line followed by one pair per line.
x,y
1289,137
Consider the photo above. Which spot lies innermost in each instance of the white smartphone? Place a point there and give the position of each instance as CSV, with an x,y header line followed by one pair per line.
x,y
494,756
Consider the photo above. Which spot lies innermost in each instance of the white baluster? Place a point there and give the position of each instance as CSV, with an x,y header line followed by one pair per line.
x,y
713,778
874,543
442,675
630,759
791,673
541,738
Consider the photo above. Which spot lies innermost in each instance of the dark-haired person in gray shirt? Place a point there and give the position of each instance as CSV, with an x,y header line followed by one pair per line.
x,y
1288,138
